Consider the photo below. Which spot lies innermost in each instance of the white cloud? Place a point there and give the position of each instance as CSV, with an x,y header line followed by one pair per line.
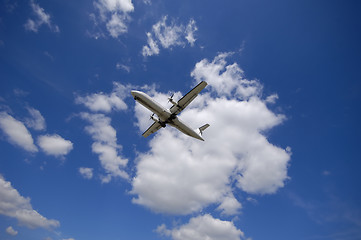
x,y
252,200
115,5
54,145
10,230
168,36
226,80
203,227
87,173
229,206
20,93
116,25
190,30
12,204
272,98
114,13
16,132
48,55
36,121
41,18
123,67
181,175
101,102
105,145
152,48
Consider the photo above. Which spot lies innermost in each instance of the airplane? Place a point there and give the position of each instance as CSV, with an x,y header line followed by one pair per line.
x,y
169,116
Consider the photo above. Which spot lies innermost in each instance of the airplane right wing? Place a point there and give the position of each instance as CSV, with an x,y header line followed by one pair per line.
x,y
188,98
152,129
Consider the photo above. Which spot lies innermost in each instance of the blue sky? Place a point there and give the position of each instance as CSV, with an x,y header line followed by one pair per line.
x,y
280,159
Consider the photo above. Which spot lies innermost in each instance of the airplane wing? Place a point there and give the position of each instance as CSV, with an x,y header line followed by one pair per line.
x,y
152,129
188,98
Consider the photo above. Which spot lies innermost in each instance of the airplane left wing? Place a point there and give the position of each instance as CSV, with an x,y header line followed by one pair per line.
x,y
152,129
188,98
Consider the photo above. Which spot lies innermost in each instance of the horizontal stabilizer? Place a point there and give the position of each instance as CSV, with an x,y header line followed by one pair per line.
x,y
204,127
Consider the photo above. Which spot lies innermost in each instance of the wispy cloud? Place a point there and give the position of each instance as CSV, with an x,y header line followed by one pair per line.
x,y
36,120
10,6
168,36
123,67
332,209
40,18
114,14
12,204
86,173
20,93
191,28
16,132
272,98
11,231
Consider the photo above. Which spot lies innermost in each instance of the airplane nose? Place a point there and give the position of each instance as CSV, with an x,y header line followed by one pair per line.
x,y
134,94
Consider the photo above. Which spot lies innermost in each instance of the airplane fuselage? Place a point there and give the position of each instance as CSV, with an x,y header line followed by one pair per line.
x,y
164,115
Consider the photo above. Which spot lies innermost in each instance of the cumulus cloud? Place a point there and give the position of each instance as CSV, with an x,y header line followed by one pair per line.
x,y
86,173
101,102
168,36
181,175
12,204
16,132
226,80
229,206
40,18
114,14
36,120
54,145
203,227
10,230
105,145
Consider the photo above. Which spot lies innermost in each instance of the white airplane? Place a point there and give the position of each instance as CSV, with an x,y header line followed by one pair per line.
x,y
169,116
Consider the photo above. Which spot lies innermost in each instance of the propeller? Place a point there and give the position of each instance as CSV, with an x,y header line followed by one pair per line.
x,y
170,99
151,116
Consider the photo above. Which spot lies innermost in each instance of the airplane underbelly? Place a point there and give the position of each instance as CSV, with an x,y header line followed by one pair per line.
x,y
177,123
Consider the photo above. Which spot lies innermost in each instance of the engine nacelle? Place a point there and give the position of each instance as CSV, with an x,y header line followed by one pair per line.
x,y
172,101
158,121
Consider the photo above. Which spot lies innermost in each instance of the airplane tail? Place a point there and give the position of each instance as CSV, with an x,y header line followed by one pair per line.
x,y
201,129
